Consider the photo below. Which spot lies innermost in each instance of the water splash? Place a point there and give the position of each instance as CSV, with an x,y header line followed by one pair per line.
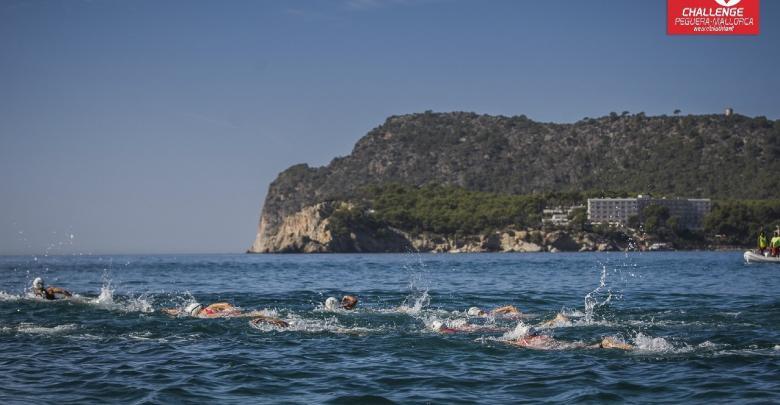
x,y
325,325
105,299
521,330
4,296
419,285
415,302
592,298
106,296
646,343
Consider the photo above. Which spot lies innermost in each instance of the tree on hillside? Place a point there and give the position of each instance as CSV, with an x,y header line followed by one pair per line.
x,y
655,217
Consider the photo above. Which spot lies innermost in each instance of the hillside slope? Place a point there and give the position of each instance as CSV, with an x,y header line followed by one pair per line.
x,y
696,156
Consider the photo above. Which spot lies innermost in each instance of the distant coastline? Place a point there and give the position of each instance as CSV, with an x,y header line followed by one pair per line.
x,y
463,182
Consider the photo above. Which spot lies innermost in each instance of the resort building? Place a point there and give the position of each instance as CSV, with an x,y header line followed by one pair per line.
x,y
558,216
617,211
613,211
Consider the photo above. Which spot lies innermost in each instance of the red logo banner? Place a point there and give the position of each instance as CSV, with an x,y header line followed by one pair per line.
x,y
712,17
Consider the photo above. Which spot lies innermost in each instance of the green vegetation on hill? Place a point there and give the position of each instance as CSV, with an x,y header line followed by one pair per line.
x,y
453,211
689,156
738,222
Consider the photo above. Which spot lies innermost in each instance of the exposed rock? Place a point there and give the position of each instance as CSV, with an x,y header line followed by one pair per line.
x,y
562,241
304,231
308,231
517,243
606,247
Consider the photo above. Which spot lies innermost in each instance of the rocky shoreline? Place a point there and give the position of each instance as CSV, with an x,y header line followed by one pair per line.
x,y
309,231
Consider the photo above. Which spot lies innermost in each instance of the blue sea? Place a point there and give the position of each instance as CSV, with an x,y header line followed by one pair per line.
x,y
703,326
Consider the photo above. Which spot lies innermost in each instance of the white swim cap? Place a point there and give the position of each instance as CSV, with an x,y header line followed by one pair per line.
x,y
474,311
436,325
38,283
193,309
331,304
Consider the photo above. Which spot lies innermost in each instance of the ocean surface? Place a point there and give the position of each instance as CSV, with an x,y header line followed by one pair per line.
x,y
704,327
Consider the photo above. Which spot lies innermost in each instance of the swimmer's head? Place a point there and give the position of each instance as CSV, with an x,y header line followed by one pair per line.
x,y
436,325
331,303
531,331
37,284
193,309
349,301
474,311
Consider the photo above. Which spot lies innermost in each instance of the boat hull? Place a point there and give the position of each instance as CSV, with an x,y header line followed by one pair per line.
x,y
751,257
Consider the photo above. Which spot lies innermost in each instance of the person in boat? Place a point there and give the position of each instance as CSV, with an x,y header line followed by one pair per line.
x,y
506,310
774,244
49,293
533,339
348,302
762,242
216,310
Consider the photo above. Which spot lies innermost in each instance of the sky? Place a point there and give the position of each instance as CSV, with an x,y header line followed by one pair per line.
x,y
156,126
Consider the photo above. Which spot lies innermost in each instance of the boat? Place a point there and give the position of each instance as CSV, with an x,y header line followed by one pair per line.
x,y
657,247
753,257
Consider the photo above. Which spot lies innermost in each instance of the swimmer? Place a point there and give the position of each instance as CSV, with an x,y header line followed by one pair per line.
x,y
217,310
269,320
331,304
461,326
48,293
506,310
535,340
532,339
440,327
348,302
559,320
610,342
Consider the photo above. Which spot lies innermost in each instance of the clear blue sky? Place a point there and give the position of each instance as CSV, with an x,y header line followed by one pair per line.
x,y
156,126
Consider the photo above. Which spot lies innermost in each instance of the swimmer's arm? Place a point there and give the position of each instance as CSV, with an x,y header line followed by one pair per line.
x,y
506,309
171,311
220,306
58,290
272,321
612,343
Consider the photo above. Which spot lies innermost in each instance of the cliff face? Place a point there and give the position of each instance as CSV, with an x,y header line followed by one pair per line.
x,y
303,231
696,156
308,231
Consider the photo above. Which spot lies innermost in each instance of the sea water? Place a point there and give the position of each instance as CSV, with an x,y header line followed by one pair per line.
x,y
705,327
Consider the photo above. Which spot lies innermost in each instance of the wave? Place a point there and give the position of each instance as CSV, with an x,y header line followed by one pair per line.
x,y
30,328
300,324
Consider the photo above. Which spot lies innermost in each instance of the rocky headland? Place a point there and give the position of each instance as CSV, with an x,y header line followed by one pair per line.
x,y
693,156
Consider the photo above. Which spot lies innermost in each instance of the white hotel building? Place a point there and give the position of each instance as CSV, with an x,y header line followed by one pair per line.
x,y
617,211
